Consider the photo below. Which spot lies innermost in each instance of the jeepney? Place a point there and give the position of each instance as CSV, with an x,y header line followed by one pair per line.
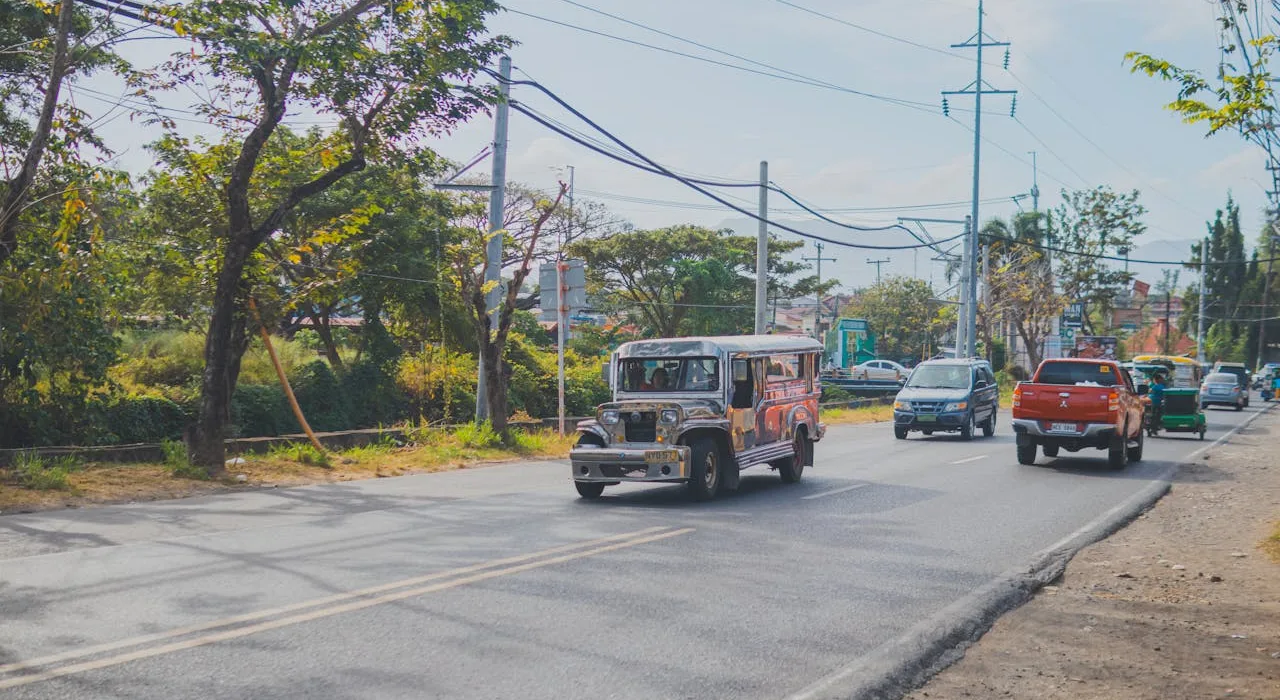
x,y
699,410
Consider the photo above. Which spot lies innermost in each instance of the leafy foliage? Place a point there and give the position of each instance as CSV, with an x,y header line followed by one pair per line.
x,y
902,314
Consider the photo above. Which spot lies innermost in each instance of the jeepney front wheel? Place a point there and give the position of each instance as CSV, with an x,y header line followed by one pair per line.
x,y
706,469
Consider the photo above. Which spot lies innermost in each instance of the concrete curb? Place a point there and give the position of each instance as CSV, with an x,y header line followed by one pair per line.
x,y
906,663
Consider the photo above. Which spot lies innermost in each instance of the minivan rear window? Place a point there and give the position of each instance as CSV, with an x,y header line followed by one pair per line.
x,y
1071,373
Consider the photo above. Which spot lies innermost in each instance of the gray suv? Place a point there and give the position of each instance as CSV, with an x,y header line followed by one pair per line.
x,y
948,396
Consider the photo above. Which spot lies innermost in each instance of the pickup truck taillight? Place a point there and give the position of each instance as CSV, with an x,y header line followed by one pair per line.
x,y
1017,397
1113,401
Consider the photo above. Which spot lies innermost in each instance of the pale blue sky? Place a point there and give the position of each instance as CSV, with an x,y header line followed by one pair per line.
x,y
844,151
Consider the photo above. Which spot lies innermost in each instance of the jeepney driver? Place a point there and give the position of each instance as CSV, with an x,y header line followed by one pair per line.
x,y
658,380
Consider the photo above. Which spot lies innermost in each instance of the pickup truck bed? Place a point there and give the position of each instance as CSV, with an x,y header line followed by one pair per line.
x,y
1078,404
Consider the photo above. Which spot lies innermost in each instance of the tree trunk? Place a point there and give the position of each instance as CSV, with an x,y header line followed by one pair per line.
x,y
321,323
1031,343
222,353
18,190
495,388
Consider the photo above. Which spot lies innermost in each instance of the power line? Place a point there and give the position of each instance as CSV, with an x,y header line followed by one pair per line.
x,y
653,166
910,104
876,32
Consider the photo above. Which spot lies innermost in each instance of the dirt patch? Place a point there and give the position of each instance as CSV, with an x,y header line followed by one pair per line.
x,y
1182,603
97,484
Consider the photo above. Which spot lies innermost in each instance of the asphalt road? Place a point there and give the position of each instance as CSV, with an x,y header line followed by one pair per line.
x,y
500,583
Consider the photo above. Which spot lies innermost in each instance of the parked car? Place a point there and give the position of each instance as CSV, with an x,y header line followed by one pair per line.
x,y
1075,404
698,410
1242,376
1223,389
879,371
948,396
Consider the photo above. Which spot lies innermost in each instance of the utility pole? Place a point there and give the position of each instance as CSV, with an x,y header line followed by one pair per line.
x,y
1266,295
977,88
1168,298
1035,184
1204,268
497,202
562,311
966,272
817,318
762,249
877,263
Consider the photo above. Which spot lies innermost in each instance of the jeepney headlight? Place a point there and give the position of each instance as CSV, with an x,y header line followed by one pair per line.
x,y
956,406
609,416
670,415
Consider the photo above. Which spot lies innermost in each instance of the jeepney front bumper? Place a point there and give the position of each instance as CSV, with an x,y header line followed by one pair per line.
x,y
644,462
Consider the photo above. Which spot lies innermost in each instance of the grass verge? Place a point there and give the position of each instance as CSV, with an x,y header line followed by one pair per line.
x,y
56,484
1271,545
878,413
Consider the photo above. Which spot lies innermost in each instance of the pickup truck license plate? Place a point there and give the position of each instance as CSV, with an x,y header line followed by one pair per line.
x,y
927,419
1062,427
661,456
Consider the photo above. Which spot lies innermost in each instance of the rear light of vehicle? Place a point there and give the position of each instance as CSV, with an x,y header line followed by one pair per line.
x,y
1113,401
1017,397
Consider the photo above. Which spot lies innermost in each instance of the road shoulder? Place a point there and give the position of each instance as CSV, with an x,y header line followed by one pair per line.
x,y
1182,603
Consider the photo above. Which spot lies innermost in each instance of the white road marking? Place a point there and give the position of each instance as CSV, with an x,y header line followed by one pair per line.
x,y
832,492
970,459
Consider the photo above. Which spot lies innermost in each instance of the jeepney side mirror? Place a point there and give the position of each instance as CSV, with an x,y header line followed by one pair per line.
x,y
741,371
1143,390
604,372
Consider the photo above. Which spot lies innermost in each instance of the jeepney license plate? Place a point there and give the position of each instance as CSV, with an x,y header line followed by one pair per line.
x,y
1062,427
661,456
926,419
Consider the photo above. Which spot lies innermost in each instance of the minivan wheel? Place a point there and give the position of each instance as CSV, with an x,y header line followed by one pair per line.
x,y
989,427
966,430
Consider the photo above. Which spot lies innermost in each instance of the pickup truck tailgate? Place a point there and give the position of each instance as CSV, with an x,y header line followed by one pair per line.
x,y
1067,404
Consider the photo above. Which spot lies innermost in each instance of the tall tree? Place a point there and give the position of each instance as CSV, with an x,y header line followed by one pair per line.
x,y
1091,224
470,257
687,280
1021,285
386,71
902,314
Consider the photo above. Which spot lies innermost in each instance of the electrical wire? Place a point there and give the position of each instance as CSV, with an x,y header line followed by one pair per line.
x,y
909,104
654,168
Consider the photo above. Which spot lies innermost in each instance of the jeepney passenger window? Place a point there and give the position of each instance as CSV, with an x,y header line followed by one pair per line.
x,y
784,368
743,391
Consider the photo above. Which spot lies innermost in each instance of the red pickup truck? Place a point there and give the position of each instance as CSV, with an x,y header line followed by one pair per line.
x,y
1074,404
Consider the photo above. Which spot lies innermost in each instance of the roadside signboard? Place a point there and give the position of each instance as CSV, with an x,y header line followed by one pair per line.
x,y
1096,347
1073,316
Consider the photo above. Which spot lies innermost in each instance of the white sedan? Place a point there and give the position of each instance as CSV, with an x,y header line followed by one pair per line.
x,y
880,371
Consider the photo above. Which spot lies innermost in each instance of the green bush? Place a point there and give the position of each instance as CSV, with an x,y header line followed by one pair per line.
x,y
320,396
133,419
477,436
301,452
178,461
43,473
259,410
833,394
373,398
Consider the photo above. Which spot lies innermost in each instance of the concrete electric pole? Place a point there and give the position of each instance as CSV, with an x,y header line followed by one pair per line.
x,y
977,88
877,263
497,202
562,311
817,316
762,250
1204,269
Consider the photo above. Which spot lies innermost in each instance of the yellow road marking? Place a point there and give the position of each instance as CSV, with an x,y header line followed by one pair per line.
x,y
619,542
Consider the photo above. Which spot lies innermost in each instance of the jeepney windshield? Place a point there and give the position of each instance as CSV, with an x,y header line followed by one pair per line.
x,y
668,375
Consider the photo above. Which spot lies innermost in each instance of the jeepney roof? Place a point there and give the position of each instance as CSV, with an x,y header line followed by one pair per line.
x,y
714,346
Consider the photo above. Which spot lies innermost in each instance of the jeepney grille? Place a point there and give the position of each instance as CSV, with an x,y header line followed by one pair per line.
x,y
927,406
1181,404
640,426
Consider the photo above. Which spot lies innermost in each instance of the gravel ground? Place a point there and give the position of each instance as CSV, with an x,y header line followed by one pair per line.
x,y
1183,603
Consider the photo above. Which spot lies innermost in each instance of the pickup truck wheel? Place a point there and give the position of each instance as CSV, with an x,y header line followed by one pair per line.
x,y
989,426
705,464
1135,453
1118,453
1050,450
589,490
1027,453
793,468
900,433
966,430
